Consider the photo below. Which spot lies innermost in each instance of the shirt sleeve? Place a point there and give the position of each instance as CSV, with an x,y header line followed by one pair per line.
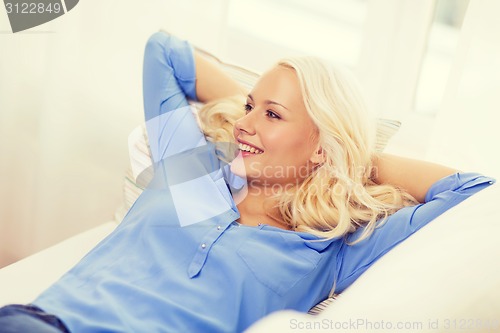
x,y
353,260
169,74
186,172
169,80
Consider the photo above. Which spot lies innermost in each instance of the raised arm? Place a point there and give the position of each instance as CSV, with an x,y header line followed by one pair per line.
x,y
212,83
174,72
414,176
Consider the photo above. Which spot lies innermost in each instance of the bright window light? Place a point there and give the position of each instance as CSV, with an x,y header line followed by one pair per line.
x,y
438,59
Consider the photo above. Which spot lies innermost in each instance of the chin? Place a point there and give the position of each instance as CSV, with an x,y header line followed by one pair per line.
x,y
238,166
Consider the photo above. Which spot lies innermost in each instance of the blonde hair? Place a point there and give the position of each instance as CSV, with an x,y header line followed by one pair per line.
x,y
217,118
339,196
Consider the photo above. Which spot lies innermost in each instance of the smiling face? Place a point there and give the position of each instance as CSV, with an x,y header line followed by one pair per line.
x,y
277,138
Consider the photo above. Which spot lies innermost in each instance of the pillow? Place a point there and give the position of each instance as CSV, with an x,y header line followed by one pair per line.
x,y
385,130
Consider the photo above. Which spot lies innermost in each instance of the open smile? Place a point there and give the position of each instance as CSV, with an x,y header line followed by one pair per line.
x,y
246,147
250,149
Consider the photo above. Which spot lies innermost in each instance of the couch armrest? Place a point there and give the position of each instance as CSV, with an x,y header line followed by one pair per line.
x,y
24,280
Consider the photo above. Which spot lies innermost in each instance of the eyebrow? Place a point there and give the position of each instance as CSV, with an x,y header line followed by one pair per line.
x,y
267,101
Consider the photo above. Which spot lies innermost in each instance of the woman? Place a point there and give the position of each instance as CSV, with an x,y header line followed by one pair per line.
x,y
211,246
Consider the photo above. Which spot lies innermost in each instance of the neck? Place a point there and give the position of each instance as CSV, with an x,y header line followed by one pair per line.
x,y
258,207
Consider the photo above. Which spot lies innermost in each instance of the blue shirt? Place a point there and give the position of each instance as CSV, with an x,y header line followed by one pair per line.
x,y
180,263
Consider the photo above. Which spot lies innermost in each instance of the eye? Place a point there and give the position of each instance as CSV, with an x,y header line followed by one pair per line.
x,y
272,114
248,108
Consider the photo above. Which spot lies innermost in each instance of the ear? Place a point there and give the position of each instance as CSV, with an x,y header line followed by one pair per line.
x,y
318,156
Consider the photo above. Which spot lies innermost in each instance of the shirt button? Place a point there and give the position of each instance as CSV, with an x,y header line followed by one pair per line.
x,y
218,227
203,245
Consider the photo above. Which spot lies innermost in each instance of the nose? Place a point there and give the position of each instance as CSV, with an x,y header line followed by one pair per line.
x,y
246,124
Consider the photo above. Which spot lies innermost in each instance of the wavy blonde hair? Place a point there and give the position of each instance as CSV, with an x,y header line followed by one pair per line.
x,y
339,196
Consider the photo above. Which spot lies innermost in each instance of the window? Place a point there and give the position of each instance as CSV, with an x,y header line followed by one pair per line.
x,y
438,58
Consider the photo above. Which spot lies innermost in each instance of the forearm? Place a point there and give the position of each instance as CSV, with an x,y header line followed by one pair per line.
x,y
212,83
414,176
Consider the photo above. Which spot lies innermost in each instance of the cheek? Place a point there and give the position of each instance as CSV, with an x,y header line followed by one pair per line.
x,y
291,144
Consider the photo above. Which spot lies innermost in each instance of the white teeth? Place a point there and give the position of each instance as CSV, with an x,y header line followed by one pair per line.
x,y
247,148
